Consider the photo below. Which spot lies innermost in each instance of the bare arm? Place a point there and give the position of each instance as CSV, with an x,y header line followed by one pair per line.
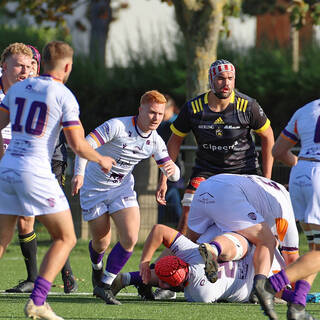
x,y
282,152
267,142
80,146
160,234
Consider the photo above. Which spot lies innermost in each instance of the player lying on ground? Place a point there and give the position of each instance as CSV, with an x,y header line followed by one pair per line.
x,y
184,271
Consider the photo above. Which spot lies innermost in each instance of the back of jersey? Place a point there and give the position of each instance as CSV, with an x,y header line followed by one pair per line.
x,y
38,107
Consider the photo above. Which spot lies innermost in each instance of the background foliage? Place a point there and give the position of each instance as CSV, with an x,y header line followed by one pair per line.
x,y
264,73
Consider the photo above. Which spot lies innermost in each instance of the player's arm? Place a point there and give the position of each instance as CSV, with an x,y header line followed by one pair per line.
x,y
80,146
4,120
267,142
173,146
160,234
282,151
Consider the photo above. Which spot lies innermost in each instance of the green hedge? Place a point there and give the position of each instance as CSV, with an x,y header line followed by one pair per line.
x,y
264,74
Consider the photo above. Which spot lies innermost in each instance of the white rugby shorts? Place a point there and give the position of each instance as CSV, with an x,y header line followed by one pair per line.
x,y
25,193
304,188
95,203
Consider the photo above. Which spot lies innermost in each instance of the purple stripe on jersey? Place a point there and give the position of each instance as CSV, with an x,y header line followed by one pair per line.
x,y
290,135
163,160
97,135
176,237
70,123
6,141
289,249
4,107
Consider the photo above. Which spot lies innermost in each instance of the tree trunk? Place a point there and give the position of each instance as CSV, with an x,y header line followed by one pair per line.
x,y
100,16
295,49
200,23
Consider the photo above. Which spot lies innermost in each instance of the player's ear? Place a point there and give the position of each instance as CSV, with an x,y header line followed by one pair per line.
x,y
68,67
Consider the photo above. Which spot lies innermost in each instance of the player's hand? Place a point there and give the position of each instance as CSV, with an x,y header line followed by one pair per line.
x,y
145,272
161,193
106,163
76,184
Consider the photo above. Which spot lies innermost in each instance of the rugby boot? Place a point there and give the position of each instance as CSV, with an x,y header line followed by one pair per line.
x,y
22,287
69,282
210,261
117,284
43,312
298,312
105,293
265,294
96,277
163,294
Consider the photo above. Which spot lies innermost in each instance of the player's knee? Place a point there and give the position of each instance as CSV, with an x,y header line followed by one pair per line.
x,y
187,199
238,248
129,242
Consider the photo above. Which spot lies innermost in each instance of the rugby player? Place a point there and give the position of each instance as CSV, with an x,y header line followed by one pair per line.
x,y
27,235
128,140
304,186
221,121
184,270
37,109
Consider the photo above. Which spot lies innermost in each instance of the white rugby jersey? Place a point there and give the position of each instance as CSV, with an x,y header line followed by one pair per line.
x,y
305,126
235,278
121,139
38,108
236,202
6,132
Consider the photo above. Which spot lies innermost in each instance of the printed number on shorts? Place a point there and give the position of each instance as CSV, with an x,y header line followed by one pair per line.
x,y
229,269
36,117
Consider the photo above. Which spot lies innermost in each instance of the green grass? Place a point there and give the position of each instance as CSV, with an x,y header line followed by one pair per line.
x,y
84,306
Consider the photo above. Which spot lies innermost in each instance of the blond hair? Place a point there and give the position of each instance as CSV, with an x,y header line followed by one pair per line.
x,y
15,48
152,96
55,51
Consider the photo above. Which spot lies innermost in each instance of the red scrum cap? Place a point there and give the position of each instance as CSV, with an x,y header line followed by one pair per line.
x,y
219,66
172,270
35,55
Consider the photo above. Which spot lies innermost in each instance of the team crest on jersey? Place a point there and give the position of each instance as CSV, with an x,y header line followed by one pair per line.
x,y
252,216
206,198
29,87
219,132
148,142
202,282
51,202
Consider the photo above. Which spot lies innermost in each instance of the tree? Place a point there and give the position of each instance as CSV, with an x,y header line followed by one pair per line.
x,y
299,10
201,23
99,12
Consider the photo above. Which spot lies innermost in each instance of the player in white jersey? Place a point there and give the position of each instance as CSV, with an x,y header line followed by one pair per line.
x,y
37,109
304,182
16,66
184,270
254,207
128,140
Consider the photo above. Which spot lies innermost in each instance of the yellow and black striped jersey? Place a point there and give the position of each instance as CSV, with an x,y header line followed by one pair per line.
x,y
224,140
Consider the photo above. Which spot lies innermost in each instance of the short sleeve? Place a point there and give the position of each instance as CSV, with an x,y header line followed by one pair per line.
x,y
259,121
181,126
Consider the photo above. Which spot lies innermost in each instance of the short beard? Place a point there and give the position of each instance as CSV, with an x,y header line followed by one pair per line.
x,y
222,96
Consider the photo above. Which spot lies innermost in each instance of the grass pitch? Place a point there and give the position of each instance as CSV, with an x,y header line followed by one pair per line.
x,y
82,305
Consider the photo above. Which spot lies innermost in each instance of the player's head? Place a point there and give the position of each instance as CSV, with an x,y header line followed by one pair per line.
x,y
170,108
16,62
172,270
36,60
57,56
221,78
151,110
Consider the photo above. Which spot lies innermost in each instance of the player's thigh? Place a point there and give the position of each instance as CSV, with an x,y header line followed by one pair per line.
x,y
7,225
100,227
127,222
59,225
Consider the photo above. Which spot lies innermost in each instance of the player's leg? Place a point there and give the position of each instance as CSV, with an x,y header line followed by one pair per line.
x,y
69,282
101,235
127,222
28,245
60,227
7,225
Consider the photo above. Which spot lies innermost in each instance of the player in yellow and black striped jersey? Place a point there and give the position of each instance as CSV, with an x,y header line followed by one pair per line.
x,y
221,121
